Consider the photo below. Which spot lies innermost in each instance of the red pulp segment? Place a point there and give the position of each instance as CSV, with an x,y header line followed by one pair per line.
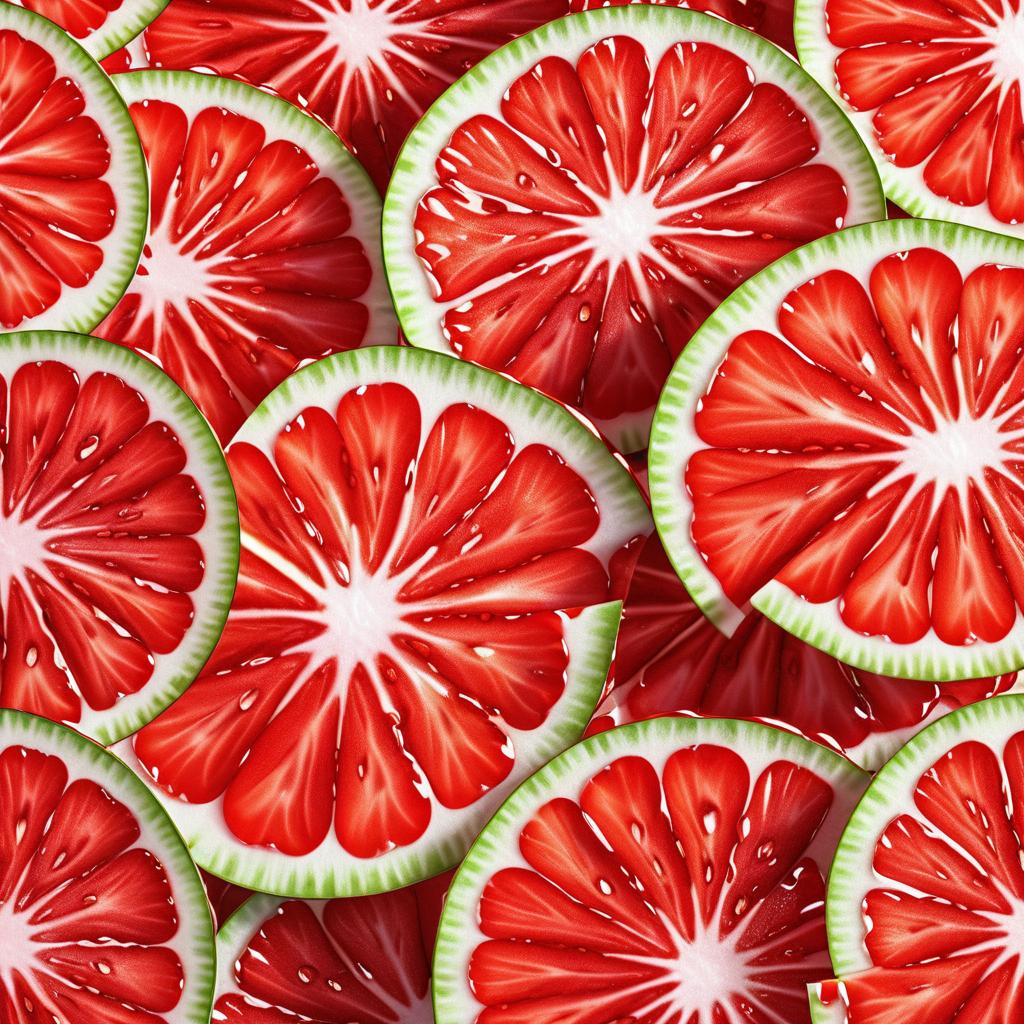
x,y
88,919
251,265
577,241
79,18
943,84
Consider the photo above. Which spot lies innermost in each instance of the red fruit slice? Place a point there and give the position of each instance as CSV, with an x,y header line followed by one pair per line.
x,y
425,612
102,913
924,902
224,897
841,450
262,249
692,889
101,26
571,213
118,534
72,181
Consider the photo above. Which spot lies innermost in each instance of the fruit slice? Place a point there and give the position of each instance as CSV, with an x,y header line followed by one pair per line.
x,y
671,870
72,181
263,244
364,959
118,533
432,558
101,26
102,913
924,903
935,90
224,898
578,253
839,448
670,659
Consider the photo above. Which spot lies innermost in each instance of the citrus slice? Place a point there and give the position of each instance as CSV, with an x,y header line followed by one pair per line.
x,y
935,90
428,598
572,210
671,870
101,26
926,895
224,898
263,246
102,913
670,659
72,181
363,959
118,533
839,449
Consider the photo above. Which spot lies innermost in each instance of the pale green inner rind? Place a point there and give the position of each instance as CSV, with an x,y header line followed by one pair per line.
x,y
122,26
234,936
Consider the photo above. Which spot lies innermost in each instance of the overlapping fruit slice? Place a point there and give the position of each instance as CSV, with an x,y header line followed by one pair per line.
x,y
102,913
427,603
101,26
118,534
571,212
363,959
668,871
934,86
841,449
72,181
926,897
670,659
263,243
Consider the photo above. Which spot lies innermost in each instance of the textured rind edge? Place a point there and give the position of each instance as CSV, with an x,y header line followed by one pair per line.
x,y
23,728
822,1014
686,384
123,26
414,166
626,740
996,717
234,936
202,444
335,160
120,265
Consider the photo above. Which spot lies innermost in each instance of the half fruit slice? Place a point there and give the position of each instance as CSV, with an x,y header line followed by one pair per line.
x,y
72,181
671,870
364,959
263,245
571,211
927,891
102,913
935,90
670,659
119,534
101,26
432,563
840,447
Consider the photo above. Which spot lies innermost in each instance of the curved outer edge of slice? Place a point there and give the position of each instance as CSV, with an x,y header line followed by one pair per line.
x,y
330,871
123,26
674,439
193,91
481,89
234,936
991,722
903,185
197,933
822,1013
654,739
218,535
81,309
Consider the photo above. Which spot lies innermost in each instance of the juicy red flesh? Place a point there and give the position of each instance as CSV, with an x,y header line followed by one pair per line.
x,y
79,18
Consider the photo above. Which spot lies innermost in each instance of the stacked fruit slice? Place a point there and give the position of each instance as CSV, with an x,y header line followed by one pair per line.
x,y
101,26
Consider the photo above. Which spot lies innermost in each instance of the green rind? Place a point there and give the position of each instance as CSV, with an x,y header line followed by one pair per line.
x,y
121,27
486,854
234,936
28,729
202,445
822,1014
890,794
673,418
134,189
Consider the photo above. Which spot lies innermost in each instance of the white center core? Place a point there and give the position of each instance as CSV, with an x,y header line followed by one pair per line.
x,y
362,33
1007,39
624,226
19,949
167,275
955,452
21,545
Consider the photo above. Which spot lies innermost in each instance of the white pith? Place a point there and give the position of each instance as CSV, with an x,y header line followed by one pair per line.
x,y
119,25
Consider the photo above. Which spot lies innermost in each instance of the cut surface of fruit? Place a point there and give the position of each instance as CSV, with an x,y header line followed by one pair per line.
x,y
926,898
263,246
72,181
432,563
101,26
102,913
935,90
670,659
118,534
840,447
572,210
364,959
224,898
693,889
